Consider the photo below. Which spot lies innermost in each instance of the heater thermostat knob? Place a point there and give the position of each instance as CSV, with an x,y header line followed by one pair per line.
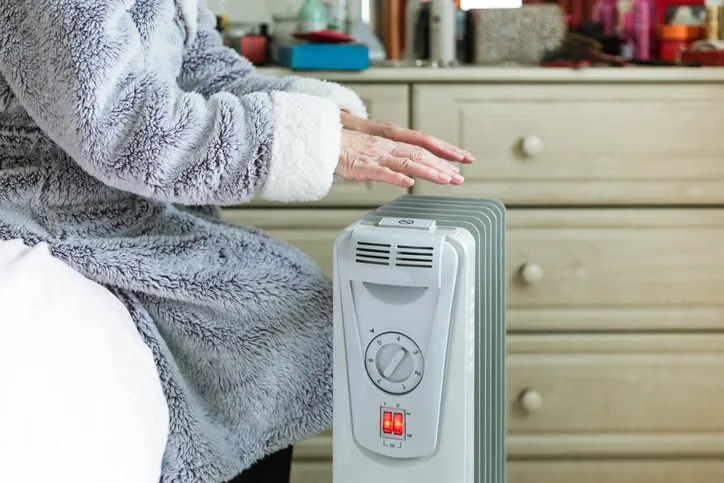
x,y
394,363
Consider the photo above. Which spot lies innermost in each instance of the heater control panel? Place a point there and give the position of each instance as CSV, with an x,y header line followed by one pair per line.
x,y
394,363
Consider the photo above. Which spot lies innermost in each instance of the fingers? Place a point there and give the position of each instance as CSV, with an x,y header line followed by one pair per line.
x,y
424,161
400,134
421,171
435,146
372,171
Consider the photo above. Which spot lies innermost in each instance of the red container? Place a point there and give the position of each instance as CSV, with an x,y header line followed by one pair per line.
x,y
712,58
674,39
254,48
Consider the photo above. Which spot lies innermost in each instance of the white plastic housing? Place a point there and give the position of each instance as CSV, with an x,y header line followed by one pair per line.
x,y
404,337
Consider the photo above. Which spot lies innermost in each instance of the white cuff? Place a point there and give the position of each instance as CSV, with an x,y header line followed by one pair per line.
x,y
345,99
306,147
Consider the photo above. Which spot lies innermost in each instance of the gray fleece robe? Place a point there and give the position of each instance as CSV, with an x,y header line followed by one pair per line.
x,y
115,112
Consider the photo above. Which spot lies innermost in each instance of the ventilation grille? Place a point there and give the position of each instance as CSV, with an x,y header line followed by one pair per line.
x,y
373,253
414,257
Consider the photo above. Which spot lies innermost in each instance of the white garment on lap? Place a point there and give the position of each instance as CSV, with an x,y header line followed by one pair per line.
x,y
80,397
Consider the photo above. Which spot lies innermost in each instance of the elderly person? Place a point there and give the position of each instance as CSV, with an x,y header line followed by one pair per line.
x,y
124,125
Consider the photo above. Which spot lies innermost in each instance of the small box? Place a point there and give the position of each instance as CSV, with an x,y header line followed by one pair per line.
x,y
348,57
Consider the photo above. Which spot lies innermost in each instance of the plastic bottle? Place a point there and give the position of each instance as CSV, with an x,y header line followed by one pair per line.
x,y
442,31
337,13
642,17
606,12
313,16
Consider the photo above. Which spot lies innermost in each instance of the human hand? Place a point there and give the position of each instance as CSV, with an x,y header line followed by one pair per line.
x,y
372,158
400,134
374,151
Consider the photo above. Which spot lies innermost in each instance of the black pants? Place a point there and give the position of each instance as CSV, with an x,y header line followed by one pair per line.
x,y
275,468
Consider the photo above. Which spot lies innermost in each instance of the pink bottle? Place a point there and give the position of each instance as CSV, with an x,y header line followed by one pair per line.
x,y
643,15
606,12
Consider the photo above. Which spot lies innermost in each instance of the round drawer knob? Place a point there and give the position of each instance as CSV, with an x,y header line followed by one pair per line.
x,y
531,145
531,400
531,273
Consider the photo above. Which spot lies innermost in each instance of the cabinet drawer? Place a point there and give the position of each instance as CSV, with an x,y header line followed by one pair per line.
x,y
625,471
615,395
385,102
584,144
615,269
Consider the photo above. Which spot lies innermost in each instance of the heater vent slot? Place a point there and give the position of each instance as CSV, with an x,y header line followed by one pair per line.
x,y
373,253
408,256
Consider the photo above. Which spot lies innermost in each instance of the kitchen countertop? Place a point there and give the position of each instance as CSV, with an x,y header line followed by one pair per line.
x,y
516,74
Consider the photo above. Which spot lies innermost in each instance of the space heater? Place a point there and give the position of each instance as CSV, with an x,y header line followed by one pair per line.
x,y
419,343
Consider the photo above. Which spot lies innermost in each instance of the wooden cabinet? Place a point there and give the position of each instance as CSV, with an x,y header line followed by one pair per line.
x,y
615,196
581,143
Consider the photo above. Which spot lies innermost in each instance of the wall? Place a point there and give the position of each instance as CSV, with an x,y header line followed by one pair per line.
x,y
261,10
253,10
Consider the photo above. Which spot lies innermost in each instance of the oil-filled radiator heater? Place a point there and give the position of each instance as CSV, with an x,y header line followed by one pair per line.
x,y
419,343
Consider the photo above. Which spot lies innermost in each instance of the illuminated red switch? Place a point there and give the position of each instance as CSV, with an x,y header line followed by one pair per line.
x,y
398,424
387,422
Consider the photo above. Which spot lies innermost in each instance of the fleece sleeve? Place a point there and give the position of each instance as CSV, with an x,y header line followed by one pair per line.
x,y
210,67
84,70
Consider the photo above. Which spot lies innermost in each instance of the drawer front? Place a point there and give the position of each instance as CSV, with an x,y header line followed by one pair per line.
x,y
615,269
615,395
385,102
560,144
625,471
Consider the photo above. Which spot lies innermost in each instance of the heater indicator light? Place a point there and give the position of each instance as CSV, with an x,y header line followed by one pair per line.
x,y
398,425
392,421
387,422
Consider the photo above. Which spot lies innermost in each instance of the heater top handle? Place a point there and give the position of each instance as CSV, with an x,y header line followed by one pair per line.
x,y
408,223
397,251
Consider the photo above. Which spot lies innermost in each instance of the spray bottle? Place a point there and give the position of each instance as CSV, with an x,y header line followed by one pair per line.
x,y
312,16
442,32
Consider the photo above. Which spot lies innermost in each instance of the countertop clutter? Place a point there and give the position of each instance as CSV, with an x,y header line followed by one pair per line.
x,y
614,183
353,35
